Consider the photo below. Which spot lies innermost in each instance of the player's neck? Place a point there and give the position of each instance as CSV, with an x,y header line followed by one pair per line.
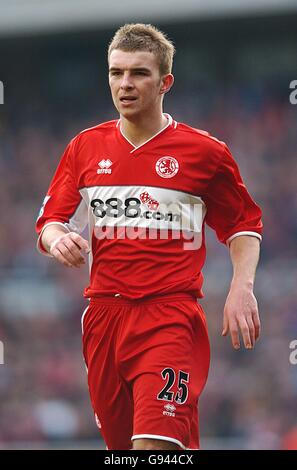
x,y
141,130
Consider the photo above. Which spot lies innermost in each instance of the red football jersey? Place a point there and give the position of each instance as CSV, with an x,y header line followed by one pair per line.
x,y
146,206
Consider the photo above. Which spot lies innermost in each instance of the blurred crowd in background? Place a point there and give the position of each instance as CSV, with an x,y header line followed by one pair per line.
x,y
57,86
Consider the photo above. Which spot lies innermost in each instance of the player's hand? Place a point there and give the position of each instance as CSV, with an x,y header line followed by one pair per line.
x,y
69,249
241,316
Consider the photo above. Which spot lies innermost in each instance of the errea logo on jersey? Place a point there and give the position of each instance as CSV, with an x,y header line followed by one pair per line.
x,y
104,167
167,167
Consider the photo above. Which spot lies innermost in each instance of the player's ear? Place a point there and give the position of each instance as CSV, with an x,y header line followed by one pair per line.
x,y
166,83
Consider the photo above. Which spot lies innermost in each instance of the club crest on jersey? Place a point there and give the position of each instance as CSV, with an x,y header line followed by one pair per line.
x,y
104,167
167,167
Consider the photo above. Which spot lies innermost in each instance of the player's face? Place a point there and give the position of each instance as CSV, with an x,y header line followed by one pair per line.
x,y
135,82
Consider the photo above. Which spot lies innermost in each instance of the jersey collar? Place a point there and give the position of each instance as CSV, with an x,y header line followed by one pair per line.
x,y
170,124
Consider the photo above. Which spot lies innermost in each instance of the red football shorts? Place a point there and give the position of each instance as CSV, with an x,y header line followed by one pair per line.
x,y
147,362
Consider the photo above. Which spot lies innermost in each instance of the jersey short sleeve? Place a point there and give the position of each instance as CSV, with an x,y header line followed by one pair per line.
x,y
230,209
63,203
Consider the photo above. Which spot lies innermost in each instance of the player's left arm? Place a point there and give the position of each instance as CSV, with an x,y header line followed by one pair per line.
x,y
241,310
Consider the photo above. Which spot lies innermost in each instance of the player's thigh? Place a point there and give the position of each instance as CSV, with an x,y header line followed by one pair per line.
x,y
172,373
110,396
114,415
154,444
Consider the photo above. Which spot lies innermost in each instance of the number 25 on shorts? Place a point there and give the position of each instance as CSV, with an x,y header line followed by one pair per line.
x,y
167,394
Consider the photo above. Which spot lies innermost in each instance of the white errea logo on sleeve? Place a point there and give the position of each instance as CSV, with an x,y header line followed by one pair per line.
x,y
1,353
46,199
1,93
293,354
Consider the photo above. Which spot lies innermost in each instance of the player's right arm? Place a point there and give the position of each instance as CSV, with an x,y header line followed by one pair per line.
x,y
64,214
66,247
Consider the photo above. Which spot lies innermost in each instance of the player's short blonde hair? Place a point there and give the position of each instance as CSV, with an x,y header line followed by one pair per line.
x,y
144,37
